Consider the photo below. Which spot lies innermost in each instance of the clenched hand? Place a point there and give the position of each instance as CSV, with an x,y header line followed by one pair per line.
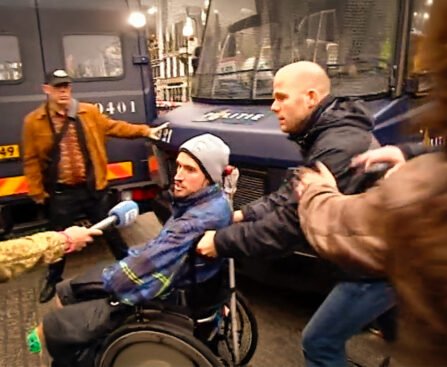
x,y
80,236
206,246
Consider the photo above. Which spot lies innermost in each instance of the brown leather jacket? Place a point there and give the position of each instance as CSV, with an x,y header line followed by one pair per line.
x,y
351,230
397,228
37,140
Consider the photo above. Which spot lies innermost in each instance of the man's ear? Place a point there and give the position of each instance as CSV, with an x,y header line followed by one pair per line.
x,y
313,98
206,182
46,89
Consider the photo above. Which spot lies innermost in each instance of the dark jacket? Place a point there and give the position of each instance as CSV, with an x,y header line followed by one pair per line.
x,y
338,130
154,269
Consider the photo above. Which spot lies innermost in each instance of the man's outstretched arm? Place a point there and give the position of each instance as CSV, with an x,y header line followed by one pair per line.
x,y
277,232
21,254
393,155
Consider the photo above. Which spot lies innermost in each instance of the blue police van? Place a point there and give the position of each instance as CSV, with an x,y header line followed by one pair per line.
x,y
367,48
108,61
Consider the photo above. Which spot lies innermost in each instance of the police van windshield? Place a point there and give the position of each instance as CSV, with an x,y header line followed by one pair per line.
x,y
246,41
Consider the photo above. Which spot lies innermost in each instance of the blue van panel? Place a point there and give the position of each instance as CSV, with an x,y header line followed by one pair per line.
x,y
261,142
250,142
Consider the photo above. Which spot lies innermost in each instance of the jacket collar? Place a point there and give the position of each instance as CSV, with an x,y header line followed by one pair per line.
x,y
332,113
179,206
75,108
301,137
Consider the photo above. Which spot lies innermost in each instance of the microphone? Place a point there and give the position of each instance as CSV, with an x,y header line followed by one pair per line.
x,y
120,215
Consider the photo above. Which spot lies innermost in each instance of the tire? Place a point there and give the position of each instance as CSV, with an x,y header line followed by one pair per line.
x,y
248,334
155,343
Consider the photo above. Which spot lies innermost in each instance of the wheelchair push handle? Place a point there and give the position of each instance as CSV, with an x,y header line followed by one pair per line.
x,y
233,310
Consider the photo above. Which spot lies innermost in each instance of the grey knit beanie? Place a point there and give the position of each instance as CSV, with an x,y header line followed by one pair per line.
x,y
210,152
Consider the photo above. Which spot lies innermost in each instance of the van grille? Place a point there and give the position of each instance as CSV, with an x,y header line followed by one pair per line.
x,y
251,186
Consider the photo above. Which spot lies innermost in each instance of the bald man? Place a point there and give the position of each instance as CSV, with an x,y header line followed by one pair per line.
x,y
327,129
333,131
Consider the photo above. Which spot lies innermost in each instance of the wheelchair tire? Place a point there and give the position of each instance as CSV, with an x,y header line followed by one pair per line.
x,y
155,344
249,342
248,334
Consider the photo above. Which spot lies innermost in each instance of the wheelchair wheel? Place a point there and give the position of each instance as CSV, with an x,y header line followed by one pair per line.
x,y
247,331
155,344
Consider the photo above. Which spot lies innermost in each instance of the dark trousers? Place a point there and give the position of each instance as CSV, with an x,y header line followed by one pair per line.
x,y
74,333
67,204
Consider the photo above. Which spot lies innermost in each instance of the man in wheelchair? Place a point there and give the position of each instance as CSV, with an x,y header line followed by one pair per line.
x,y
97,302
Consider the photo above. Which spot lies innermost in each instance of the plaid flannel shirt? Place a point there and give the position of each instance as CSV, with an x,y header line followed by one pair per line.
x,y
154,269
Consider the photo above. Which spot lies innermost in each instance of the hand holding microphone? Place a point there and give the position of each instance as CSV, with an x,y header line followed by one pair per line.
x,y
120,215
76,238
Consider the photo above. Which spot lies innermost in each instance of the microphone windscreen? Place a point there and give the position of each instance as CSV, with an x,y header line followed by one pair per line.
x,y
126,213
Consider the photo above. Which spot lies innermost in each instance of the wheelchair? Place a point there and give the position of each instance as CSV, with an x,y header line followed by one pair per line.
x,y
221,332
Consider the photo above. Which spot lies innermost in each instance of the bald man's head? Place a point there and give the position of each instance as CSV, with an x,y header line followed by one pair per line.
x,y
298,88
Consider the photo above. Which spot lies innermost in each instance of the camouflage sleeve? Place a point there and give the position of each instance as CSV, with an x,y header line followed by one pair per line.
x,y
21,254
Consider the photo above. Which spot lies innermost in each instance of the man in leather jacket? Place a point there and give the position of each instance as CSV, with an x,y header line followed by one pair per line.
x,y
65,162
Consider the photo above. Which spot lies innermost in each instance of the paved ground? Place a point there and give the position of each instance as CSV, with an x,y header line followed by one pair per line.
x,y
281,315
19,306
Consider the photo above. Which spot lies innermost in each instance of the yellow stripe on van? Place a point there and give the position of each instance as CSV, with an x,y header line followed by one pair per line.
x,y
13,185
119,170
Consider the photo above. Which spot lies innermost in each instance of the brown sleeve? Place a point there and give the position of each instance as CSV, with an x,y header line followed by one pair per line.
x,y
122,129
345,229
32,167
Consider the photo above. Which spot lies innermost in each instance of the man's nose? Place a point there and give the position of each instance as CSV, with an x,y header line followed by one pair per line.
x,y
274,107
178,175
